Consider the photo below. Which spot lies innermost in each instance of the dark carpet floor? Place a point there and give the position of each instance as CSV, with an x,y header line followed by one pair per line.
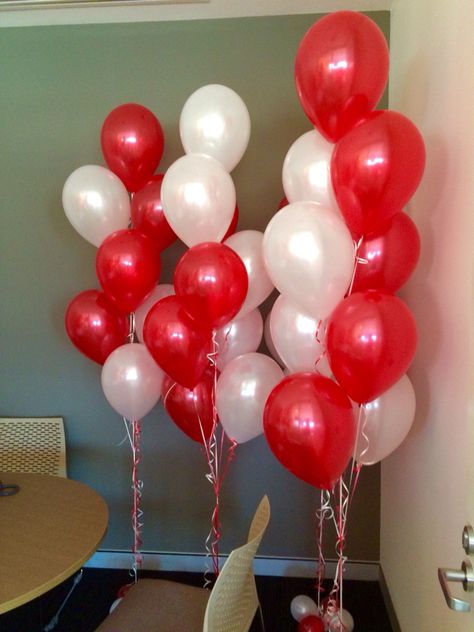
x,y
91,600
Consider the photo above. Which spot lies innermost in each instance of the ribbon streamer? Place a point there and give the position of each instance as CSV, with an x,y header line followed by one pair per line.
x,y
219,451
133,429
357,260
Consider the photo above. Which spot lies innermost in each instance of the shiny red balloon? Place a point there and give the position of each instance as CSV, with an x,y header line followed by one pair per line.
x,y
132,143
179,344
311,623
147,214
389,256
341,70
94,325
371,340
128,268
310,427
233,224
192,410
211,281
376,168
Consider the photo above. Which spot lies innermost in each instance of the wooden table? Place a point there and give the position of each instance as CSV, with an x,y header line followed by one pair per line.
x,y
47,531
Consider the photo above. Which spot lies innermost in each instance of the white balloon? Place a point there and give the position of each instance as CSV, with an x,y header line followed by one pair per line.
x,y
340,622
303,606
198,197
248,245
306,171
215,121
96,203
239,336
388,420
242,391
159,292
298,338
131,380
309,255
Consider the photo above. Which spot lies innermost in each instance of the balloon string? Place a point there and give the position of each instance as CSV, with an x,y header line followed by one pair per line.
x,y
321,326
137,487
357,260
165,396
131,327
323,514
219,451
335,600
342,495
133,429
211,447
130,221
358,454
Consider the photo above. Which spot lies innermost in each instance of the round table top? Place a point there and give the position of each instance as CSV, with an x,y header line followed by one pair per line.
x,y
47,531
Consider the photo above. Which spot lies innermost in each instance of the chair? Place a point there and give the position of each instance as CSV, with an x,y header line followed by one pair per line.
x,y
165,606
33,445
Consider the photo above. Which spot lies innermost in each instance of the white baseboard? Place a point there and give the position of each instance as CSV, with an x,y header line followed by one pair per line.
x,y
196,563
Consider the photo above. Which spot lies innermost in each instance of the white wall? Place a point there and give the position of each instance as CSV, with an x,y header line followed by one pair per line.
x,y
428,484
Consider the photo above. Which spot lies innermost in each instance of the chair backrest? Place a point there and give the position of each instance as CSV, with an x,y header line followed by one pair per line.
x,y
34,445
234,600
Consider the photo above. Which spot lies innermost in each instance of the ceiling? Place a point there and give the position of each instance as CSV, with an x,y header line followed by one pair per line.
x,y
104,11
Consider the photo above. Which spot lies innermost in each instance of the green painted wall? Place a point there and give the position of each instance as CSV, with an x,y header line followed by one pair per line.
x,y
57,86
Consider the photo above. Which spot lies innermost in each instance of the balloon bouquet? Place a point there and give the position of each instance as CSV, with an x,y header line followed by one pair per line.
x,y
169,340
338,252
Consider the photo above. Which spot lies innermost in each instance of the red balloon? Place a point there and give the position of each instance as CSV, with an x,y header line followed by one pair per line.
x,y
309,425
147,214
132,143
233,224
179,344
211,281
376,168
192,410
371,341
341,70
283,202
311,623
128,268
391,255
94,325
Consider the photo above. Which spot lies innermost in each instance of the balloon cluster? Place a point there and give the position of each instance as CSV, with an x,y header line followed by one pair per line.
x,y
337,252
172,339
129,236
313,618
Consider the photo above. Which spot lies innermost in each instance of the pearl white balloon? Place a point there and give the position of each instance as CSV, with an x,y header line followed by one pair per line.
x,y
131,380
388,420
309,255
198,198
306,171
215,121
159,292
303,606
96,203
239,336
340,622
295,336
248,245
242,391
